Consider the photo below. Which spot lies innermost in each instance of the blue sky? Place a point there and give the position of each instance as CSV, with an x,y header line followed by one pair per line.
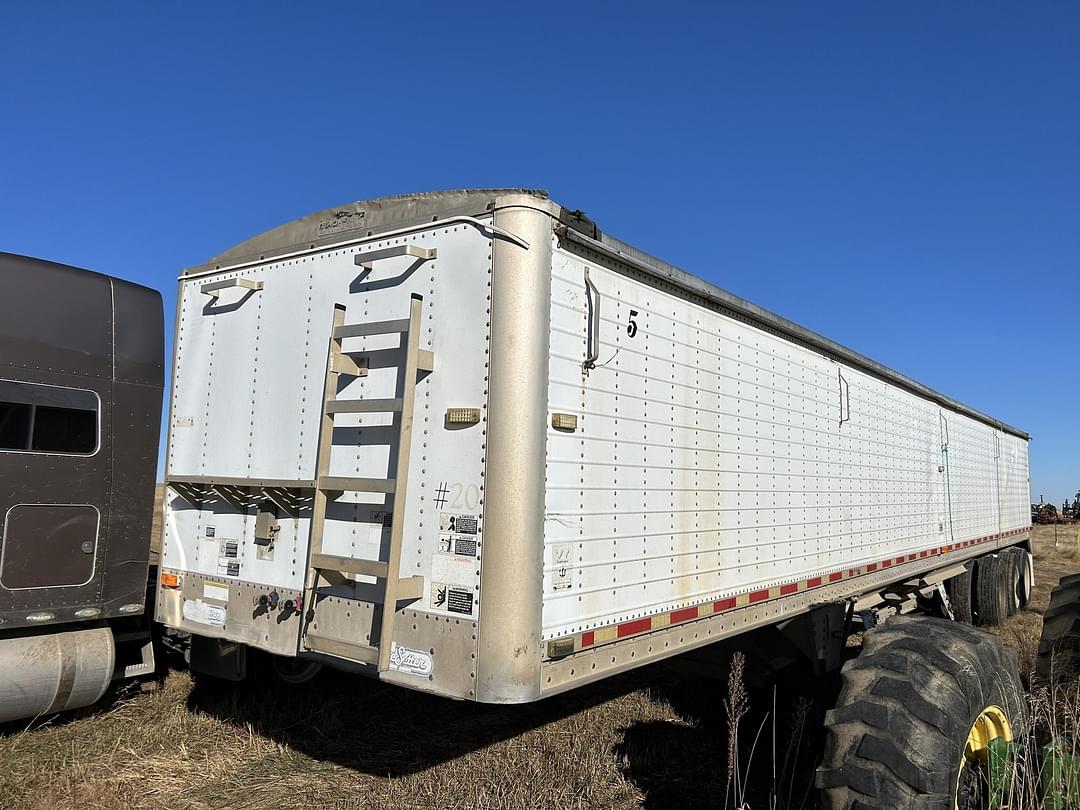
x,y
902,177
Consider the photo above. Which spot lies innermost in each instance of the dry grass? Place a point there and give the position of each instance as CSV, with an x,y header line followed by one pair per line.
x,y
1057,553
651,738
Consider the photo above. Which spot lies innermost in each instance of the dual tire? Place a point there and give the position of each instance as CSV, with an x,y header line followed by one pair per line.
x,y
1000,586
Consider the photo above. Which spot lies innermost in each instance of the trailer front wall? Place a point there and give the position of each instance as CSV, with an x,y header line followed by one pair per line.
x,y
713,459
247,404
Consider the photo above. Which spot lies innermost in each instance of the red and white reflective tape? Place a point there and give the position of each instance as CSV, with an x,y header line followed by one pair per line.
x,y
634,627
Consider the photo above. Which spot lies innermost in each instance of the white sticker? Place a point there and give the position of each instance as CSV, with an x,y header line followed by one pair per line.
x,y
453,569
196,610
562,575
211,590
414,662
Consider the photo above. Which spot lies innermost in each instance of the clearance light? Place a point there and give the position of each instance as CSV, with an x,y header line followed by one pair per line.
x,y
170,580
462,416
134,607
40,617
88,613
564,421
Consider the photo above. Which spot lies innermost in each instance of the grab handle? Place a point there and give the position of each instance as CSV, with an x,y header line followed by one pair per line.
x,y
592,299
214,289
366,258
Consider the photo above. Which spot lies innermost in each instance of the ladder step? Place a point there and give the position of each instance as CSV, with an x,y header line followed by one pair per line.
x,y
363,405
344,364
371,328
348,650
329,483
349,565
425,360
409,588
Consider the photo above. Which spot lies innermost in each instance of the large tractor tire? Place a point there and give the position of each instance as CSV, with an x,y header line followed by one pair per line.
x,y
1059,646
992,585
916,713
959,589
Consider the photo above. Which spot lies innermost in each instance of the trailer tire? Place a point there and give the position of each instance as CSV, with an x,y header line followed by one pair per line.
x,y
1058,654
1012,581
916,709
1022,560
991,590
959,589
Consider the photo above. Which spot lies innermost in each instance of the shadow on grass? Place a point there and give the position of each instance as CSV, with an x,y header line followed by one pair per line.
x,y
384,730
678,765
387,731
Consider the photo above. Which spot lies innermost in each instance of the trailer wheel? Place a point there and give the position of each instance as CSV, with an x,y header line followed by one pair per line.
x,y
1022,561
1059,646
991,590
915,717
295,671
1012,581
958,589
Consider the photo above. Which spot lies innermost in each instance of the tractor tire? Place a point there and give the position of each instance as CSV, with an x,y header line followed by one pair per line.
x,y
958,589
1058,656
991,590
1022,560
914,716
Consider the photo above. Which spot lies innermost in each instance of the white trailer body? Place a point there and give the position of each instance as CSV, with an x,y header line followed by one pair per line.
x,y
555,456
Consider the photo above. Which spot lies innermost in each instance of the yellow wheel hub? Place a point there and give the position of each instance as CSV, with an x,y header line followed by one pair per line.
x,y
991,724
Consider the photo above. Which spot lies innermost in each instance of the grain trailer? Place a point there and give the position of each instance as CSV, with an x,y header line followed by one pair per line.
x,y
468,443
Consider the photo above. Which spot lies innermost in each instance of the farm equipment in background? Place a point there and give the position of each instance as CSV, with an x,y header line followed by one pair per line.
x,y
1071,511
1044,513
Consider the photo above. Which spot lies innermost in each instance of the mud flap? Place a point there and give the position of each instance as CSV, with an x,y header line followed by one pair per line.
x,y
218,658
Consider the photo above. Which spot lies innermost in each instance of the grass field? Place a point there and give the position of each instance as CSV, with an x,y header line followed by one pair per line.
x,y
653,738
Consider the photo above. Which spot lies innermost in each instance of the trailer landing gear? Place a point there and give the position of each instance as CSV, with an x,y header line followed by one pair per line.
x,y
919,715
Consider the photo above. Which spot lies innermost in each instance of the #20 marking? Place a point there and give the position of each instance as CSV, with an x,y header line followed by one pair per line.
x,y
455,495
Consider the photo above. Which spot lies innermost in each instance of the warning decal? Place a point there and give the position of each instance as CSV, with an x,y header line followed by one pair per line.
x,y
465,546
459,524
460,600
455,600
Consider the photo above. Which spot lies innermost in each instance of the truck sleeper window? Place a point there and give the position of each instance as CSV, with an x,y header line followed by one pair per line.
x,y
47,419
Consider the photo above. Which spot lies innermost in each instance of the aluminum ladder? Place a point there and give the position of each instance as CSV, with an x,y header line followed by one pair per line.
x,y
328,488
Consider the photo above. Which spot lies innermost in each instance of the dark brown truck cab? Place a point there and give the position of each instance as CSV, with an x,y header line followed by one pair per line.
x,y
81,374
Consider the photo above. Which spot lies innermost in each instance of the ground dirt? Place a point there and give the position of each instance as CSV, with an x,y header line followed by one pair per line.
x,y
653,738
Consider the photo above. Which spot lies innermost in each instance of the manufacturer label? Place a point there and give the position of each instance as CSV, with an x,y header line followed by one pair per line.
x,y
414,662
562,575
196,610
